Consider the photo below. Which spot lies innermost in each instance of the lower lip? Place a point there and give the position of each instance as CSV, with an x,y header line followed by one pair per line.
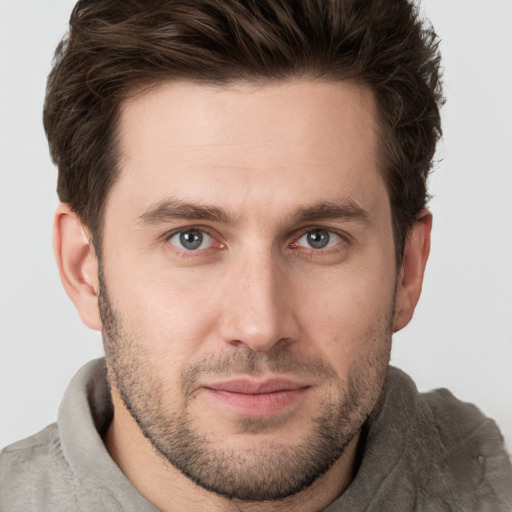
x,y
258,405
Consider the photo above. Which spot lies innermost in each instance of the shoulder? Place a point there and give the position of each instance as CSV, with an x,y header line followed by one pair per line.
x,y
472,458
33,472
461,423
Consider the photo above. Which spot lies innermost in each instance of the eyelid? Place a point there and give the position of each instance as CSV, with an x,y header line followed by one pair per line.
x,y
192,227
206,239
165,239
303,231
332,242
219,244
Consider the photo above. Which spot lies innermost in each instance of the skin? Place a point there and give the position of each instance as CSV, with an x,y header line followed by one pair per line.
x,y
273,163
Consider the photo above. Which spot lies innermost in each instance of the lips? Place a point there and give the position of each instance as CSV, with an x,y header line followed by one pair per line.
x,y
251,398
249,387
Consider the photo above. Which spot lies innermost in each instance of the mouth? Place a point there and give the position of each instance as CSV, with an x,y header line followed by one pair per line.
x,y
250,398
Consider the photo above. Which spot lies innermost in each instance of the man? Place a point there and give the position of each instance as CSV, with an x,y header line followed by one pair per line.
x,y
243,217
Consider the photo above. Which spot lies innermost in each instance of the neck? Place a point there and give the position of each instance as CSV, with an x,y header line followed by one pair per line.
x,y
169,490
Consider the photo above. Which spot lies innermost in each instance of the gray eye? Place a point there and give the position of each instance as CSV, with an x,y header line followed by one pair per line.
x,y
191,240
319,239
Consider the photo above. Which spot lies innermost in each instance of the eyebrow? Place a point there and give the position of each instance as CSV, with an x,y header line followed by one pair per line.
x,y
172,209
345,209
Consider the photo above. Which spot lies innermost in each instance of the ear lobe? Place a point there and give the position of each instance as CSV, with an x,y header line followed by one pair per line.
x,y
410,277
78,265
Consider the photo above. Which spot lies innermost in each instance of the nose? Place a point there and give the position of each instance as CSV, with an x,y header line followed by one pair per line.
x,y
258,311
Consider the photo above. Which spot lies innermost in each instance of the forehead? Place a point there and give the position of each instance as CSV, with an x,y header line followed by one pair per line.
x,y
237,145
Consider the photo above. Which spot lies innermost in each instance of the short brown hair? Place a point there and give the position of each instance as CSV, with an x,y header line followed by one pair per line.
x,y
115,47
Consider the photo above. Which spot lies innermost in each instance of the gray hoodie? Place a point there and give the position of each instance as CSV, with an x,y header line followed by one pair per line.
x,y
422,452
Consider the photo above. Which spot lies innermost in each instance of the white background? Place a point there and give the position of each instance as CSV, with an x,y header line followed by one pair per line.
x,y
461,336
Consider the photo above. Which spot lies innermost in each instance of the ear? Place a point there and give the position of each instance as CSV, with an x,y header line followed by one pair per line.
x,y
78,265
410,277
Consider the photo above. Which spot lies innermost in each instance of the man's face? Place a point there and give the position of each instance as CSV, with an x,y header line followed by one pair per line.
x,y
248,277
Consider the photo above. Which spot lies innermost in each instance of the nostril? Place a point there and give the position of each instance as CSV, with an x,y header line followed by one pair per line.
x,y
236,343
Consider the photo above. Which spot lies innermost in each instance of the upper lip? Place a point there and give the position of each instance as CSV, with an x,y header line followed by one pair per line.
x,y
253,387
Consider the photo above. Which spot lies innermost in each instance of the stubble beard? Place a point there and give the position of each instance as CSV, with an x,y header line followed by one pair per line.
x,y
268,470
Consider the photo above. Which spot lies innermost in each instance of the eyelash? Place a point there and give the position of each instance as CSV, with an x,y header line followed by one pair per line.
x,y
191,253
305,251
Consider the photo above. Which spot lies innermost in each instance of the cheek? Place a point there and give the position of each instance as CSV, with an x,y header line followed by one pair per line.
x,y
168,312
350,315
